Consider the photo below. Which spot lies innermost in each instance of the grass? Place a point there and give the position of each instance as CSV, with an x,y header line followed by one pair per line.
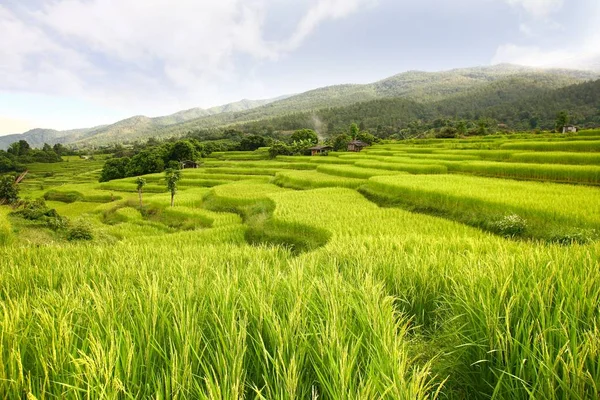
x,y
251,289
549,211
405,167
351,171
578,146
589,175
313,180
5,227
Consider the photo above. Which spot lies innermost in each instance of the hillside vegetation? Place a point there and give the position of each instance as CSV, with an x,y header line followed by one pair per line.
x,y
429,95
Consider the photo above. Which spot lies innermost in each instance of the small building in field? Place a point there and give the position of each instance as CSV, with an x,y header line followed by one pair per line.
x,y
188,164
318,150
570,129
356,146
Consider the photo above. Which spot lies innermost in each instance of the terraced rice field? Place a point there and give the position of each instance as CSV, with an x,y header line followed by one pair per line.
x,y
459,269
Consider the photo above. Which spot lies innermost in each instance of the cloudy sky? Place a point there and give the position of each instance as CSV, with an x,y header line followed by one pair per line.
x,y
78,63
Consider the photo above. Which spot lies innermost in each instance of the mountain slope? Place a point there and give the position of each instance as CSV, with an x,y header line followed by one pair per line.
x,y
423,87
491,85
127,129
513,101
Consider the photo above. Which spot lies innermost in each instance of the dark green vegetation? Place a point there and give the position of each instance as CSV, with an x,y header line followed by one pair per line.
x,y
473,100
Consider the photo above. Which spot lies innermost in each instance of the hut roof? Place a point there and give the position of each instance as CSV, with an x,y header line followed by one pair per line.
x,y
358,143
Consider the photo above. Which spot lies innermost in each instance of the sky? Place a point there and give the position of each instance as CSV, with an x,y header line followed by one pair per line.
x,y
67,64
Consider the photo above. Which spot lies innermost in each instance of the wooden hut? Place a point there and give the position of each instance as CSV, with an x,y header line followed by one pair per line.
x,y
570,129
318,150
188,164
356,146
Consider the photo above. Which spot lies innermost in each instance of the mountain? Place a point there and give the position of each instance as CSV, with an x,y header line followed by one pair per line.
x,y
421,87
491,85
515,101
127,129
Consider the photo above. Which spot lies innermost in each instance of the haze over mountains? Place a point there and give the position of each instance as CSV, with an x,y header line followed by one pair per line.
x,y
490,85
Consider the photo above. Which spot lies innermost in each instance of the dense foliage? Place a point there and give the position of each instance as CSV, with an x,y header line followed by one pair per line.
x,y
20,153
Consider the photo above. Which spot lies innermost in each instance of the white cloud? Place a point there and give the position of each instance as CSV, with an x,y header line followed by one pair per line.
x,y
147,51
537,8
582,52
323,10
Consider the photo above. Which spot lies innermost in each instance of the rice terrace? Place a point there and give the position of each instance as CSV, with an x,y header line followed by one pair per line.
x,y
434,268
404,204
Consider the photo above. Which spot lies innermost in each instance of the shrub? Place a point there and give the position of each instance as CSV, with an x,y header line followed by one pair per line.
x,y
509,226
9,190
80,230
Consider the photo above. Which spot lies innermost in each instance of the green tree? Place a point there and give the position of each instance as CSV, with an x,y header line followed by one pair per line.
x,y
305,134
252,142
279,148
461,127
145,162
59,149
140,182
354,130
9,190
340,142
115,168
366,137
562,119
172,177
183,150
20,148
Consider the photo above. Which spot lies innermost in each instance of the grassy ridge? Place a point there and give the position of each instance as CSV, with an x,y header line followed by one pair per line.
x,y
583,146
313,180
350,171
406,167
548,211
589,175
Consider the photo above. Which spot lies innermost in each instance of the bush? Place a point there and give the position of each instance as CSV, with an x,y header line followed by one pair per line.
x,y
80,230
9,190
580,236
510,226
65,197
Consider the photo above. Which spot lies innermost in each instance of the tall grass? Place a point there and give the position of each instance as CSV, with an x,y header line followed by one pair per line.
x,y
313,179
549,211
5,227
588,174
557,158
583,146
406,167
351,171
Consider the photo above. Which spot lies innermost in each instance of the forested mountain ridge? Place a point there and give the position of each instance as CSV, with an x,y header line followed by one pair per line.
x,y
453,92
422,87
516,103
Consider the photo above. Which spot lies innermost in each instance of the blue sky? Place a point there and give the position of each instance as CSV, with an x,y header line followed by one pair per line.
x,y
78,63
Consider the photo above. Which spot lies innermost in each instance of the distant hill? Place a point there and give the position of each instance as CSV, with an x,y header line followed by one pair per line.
x,y
127,129
491,86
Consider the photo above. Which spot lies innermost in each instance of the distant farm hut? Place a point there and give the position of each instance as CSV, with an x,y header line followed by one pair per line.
x,y
189,164
356,146
318,150
570,129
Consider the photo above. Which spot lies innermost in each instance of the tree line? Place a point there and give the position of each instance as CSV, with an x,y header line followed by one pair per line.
x,y
21,153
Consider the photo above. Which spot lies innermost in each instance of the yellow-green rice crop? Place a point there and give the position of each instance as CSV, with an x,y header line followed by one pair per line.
x,y
548,210
313,179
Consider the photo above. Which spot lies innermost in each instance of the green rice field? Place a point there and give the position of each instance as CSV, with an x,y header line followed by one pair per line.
x,y
423,269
